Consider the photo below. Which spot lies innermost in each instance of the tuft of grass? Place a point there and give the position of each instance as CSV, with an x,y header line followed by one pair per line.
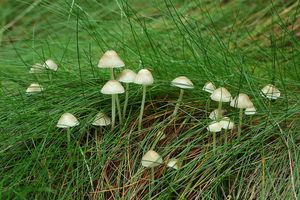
x,y
240,45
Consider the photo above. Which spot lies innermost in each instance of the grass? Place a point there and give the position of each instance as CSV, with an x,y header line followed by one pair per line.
x,y
241,45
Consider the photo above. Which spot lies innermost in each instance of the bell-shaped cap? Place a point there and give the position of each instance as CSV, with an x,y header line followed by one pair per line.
x,y
173,163
144,77
151,159
182,82
160,135
50,64
36,68
214,127
270,92
209,87
67,120
127,76
250,111
216,114
112,87
221,94
34,88
101,119
110,59
226,123
241,101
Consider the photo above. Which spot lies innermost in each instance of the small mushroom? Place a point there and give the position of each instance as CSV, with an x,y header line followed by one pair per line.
x,y
173,163
250,111
50,64
216,114
151,159
67,120
36,68
181,82
270,92
209,87
113,88
214,127
101,119
144,78
111,59
221,95
34,88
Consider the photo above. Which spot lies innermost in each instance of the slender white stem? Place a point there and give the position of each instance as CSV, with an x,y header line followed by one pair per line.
x,y
142,108
119,108
178,102
126,100
219,115
214,142
113,111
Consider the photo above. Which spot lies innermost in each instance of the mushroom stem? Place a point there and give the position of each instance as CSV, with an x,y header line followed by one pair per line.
x,y
119,108
214,142
178,102
240,122
113,111
226,136
69,138
219,111
126,100
142,108
112,74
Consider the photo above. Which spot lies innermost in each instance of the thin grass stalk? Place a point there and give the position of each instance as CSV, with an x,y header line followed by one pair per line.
x,y
240,122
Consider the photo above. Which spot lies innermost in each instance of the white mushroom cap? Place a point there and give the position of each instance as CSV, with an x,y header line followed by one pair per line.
x,y
67,120
241,101
209,87
226,123
144,77
127,76
101,119
270,92
112,87
221,94
110,59
50,64
250,111
182,82
34,88
36,68
214,127
151,159
215,115
173,163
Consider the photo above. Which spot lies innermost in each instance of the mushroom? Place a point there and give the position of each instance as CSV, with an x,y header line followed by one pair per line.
x,y
101,119
173,163
270,92
250,111
226,124
221,95
50,64
127,76
110,59
241,101
209,87
151,159
181,82
36,68
144,78
113,88
216,114
214,127
67,121
34,88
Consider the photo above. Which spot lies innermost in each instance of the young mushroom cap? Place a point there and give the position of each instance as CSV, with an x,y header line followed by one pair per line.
x,y
50,64
144,77
67,120
226,123
250,111
36,68
112,87
101,119
110,59
241,101
151,159
209,87
216,114
270,92
34,88
214,127
173,163
127,76
182,82
221,94
160,135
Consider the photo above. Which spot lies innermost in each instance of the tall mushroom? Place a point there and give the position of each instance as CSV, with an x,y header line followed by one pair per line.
x,y
127,76
214,127
181,82
221,95
144,78
113,88
67,121
241,101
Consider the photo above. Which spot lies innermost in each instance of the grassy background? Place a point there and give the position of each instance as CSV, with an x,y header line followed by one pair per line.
x,y
242,45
